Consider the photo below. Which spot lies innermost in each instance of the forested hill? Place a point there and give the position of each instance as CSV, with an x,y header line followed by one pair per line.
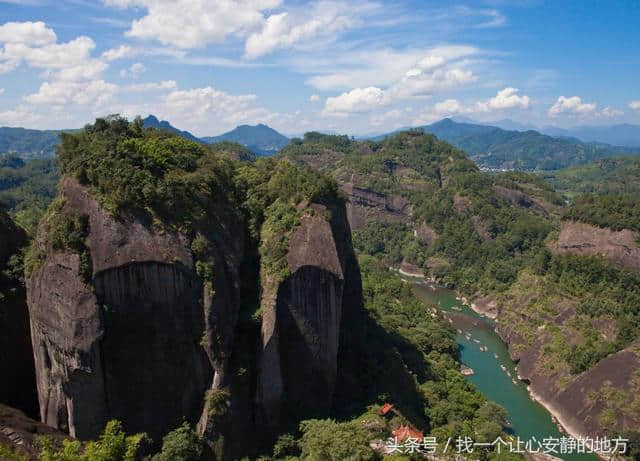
x,y
29,143
615,175
260,139
493,147
555,275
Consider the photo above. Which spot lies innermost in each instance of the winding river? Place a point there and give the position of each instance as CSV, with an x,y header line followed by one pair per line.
x,y
495,373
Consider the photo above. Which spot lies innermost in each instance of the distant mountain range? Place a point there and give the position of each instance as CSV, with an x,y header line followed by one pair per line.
x,y
153,122
496,148
260,139
490,146
617,135
29,143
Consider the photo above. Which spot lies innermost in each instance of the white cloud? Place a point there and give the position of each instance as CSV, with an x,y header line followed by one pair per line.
x,y
60,92
195,23
381,67
507,98
358,100
314,98
209,107
28,33
609,112
418,82
135,70
635,105
325,19
21,116
151,86
392,117
67,55
571,106
123,51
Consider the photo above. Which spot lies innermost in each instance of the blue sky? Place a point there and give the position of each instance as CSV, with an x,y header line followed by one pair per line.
x,y
352,66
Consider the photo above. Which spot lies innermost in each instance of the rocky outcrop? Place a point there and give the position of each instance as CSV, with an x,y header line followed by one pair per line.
x,y
364,206
18,383
621,247
142,338
132,341
301,326
538,325
20,433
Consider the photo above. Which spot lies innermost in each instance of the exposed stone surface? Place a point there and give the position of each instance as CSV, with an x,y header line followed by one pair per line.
x,y
17,369
301,325
365,206
584,239
578,401
143,339
19,432
127,343
426,234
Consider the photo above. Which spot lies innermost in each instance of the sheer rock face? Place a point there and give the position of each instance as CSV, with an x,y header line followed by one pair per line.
x,y
127,343
619,246
365,206
301,326
18,383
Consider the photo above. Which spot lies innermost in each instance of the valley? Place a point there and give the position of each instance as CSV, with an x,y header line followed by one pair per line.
x,y
263,275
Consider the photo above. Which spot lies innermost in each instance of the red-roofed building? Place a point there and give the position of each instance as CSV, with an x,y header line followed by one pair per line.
x,y
386,408
403,433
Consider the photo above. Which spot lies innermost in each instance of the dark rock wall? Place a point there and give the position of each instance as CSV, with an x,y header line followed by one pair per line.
x,y
302,317
156,371
17,368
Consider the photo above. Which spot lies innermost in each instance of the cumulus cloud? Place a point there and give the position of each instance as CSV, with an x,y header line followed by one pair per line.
x,y
324,19
195,23
571,106
61,92
72,75
507,98
28,33
205,106
635,105
358,100
123,51
382,67
21,116
427,73
314,98
418,82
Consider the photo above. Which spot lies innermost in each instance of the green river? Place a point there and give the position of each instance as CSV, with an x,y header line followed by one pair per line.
x,y
528,418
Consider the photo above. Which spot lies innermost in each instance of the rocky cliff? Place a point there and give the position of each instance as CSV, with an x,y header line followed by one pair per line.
x,y
301,326
129,339
539,325
621,247
17,386
145,310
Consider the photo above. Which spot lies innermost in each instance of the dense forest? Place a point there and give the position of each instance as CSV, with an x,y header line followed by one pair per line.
x,y
609,176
